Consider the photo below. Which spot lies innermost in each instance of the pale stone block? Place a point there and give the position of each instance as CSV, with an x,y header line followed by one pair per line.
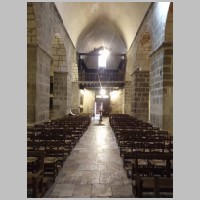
x,y
55,63
63,69
28,39
63,57
61,42
31,24
34,39
29,9
30,16
56,46
55,57
61,52
63,63
53,52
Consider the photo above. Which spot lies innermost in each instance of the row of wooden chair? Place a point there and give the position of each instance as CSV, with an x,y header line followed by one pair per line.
x,y
147,154
48,145
155,175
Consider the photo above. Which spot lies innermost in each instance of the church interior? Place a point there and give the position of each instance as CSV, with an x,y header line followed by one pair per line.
x,y
99,99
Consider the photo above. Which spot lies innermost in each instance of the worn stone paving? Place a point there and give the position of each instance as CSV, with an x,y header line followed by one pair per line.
x,y
94,168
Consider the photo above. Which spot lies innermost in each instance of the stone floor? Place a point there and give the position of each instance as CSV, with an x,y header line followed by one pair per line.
x,y
94,167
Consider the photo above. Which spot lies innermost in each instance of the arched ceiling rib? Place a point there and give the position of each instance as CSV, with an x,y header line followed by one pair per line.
x,y
82,18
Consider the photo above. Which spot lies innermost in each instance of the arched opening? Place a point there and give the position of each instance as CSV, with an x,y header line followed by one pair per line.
x,y
31,63
140,83
58,78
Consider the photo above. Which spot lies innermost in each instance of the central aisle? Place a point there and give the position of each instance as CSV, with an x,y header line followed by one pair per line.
x,y
94,167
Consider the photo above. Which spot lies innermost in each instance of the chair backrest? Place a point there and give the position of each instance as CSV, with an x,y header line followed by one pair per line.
x,y
154,156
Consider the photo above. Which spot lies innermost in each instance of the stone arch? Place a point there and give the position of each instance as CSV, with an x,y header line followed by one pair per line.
x,y
143,52
58,77
141,74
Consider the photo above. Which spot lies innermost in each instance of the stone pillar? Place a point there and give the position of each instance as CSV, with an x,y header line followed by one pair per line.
x,y
161,88
75,98
140,95
42,86
69,93
31,82
156,90
59,94
127,97
168,90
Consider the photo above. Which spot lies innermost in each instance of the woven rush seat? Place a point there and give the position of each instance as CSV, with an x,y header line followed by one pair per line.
x,y
141,162
48,160
158,162
31,159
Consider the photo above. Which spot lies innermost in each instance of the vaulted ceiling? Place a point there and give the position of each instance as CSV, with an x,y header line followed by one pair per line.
x,y
110,24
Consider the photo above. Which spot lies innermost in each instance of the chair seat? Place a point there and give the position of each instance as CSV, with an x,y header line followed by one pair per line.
x,y
48,160
141,162
128,150
161,163
31,159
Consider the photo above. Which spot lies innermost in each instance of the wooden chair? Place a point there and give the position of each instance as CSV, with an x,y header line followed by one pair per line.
x,y
149,183
154,184
35,175
35,145
163,184
51,159
143,184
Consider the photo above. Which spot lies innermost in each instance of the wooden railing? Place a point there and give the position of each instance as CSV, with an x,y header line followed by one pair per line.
x,y
84,77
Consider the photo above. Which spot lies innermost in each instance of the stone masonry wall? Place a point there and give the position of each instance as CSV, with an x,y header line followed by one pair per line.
x,y
31,63
69,93
31,25
168,90
48,25
75,97
140,95
168,74
154,27
59,94
156,92
31,83
88,101
42,86
127,97
116,102
75,100
58,53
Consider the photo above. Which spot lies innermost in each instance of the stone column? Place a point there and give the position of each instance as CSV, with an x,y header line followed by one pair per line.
x,y
31,82
140,95
75,98
161,88
127,97
69,93
156,90
42,86
59,94
168,90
